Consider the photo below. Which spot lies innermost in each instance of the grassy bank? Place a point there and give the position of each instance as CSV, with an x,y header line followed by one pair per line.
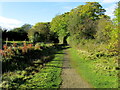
x,y
96,71
35,74
48,77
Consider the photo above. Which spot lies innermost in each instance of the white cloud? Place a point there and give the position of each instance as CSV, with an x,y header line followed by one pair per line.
x,y
109,1
9,23
110,11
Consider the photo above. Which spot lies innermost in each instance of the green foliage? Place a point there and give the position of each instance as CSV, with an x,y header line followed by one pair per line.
x,y
82,20
17,34
79,22
31,74
26,27
48,77
115,32
23,28
89,22
117,13
104,30
92,33
99,71
39,32
59,25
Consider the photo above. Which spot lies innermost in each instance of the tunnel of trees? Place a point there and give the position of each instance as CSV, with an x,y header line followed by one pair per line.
x,y
93,36
83,22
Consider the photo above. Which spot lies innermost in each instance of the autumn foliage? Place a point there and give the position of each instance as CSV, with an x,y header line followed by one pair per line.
x,y
11,50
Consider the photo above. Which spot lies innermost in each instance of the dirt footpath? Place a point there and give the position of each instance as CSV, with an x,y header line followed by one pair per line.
x,y
69,76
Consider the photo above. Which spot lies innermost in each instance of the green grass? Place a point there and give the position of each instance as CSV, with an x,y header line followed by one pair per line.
x,y
48,77
87,69
17,41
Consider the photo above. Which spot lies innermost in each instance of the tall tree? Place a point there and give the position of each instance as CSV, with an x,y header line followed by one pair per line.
x,y
104,29
26,27
23,28
59,25
115,33
82,20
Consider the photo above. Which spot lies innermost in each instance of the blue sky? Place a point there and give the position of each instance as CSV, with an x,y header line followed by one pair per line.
x,y
15,14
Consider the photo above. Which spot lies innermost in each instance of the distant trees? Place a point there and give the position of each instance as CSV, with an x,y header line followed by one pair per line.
x,y
26,27
17,34
23,28
40,32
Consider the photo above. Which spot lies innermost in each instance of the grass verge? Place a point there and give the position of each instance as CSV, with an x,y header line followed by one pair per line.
x,y
48,77
87,69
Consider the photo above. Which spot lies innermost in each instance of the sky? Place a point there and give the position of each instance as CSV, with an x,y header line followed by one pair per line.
x,y
16,13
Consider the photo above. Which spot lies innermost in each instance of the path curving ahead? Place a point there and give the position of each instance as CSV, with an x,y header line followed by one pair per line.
x,y
70,78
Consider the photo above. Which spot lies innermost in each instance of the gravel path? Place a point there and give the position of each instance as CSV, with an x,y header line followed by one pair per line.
x,y
69,76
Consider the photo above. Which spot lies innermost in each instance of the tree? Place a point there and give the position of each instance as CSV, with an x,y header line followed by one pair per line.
x,y
1,37
115,33
117,14
59,25
23,28
26,27
39,32
4,33
17,34
104,29
82,21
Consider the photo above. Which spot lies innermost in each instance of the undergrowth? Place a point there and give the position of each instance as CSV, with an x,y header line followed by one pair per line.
x,y
35,74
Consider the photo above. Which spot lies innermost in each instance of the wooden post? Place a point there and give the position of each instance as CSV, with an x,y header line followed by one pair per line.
x,y
6,40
